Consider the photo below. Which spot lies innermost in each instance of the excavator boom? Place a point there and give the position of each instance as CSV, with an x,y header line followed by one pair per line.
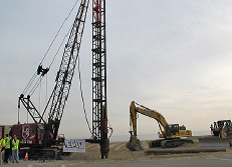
x,y
137,108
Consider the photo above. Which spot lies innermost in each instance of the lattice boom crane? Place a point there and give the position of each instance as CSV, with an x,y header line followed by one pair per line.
x,y
43,133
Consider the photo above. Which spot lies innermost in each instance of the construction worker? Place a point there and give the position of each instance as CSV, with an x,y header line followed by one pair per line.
x,y
8,143
2,147
15,149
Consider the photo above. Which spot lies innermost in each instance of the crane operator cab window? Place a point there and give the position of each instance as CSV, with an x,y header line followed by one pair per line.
x,y
173,129
223,123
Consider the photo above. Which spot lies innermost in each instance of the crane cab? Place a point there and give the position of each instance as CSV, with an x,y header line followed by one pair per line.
x,y
29,135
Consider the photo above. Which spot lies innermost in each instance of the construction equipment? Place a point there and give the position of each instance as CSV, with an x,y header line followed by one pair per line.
x,y
222,128
99,78
214,142
41,137
222,135
171,134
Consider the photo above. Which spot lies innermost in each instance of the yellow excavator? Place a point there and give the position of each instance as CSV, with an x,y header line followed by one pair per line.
x,y
171,134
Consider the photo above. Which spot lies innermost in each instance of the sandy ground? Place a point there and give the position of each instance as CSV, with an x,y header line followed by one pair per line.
x,y
119,152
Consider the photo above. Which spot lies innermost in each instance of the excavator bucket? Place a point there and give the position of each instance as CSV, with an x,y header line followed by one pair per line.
x,y
134,146
211,142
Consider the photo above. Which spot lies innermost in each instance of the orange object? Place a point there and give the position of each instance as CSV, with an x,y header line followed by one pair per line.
x,y
26,156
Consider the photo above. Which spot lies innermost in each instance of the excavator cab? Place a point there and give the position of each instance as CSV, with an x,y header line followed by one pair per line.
x,y
172,129
175,131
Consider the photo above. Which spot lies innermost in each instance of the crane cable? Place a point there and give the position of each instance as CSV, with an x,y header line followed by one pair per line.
x,y
82,94
29,83
58,32
111,129
34,75
41,77
83,102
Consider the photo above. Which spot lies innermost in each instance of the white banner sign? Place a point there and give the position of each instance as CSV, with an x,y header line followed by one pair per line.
x,y
74,145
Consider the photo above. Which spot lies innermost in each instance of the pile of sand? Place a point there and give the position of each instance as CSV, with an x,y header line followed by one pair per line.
x,y
119,152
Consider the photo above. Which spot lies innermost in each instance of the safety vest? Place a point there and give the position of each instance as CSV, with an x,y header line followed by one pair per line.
x,y
15,144
7,141
2,143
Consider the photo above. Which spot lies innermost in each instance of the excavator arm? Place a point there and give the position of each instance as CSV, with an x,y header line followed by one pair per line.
x,y
137,108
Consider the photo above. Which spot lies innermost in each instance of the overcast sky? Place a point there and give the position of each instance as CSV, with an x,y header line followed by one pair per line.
x,y
174,56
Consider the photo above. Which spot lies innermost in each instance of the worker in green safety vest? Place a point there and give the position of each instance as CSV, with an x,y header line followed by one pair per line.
x,y
8,143
15,149
2,147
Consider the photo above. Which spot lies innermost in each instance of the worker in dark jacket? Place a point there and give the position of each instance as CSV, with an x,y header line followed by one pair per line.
x,y
2,147
8,144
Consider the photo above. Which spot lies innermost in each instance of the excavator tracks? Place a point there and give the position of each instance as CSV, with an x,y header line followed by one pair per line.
x,y
164,143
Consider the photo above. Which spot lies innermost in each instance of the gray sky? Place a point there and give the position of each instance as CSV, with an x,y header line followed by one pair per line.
x,y
173,56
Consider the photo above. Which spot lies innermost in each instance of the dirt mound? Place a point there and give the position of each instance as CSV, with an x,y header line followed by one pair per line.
x,y
119,152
